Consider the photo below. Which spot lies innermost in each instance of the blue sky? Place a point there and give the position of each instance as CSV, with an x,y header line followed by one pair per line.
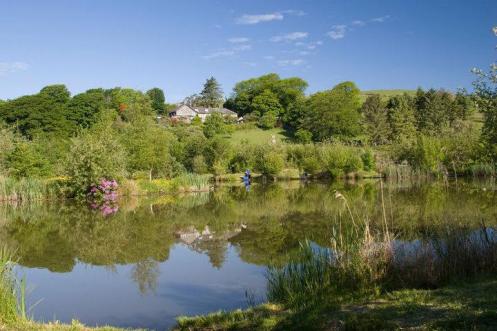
x,y
176,45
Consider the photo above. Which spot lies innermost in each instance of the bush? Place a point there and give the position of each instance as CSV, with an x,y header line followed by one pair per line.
x,y
94,156
340,160
269,161
268,120
303,136
368,161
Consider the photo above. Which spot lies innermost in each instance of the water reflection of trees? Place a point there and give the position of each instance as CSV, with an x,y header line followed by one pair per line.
x,y
264,225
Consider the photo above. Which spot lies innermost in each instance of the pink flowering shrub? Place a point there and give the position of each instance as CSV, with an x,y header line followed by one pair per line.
x,y
103,196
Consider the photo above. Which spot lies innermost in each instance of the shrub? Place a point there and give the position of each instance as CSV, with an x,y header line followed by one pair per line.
x,y
268,120
94,156
303,136
368,161
269,161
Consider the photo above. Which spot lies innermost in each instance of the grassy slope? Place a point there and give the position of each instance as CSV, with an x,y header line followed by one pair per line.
x,y
385,94
257,136
466,306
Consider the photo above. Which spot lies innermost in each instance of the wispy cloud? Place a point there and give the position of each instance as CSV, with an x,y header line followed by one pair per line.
x,y
228,52
290,37
223,53
310,45
293,62
11,67
242,48
268,57
250,64
337,31
380,19
294,12
255,19
238,40
260,18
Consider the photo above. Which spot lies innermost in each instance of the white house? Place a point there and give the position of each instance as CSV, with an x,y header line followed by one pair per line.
x,y
186,113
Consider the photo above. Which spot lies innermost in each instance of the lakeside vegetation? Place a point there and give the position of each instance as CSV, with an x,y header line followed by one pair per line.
x,y
124,135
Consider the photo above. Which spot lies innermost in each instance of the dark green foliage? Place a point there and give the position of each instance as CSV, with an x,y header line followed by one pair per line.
x,y
158,99
266,93
214,124
84,108
401,118
45,112
376,120
334,113
211,95
268,120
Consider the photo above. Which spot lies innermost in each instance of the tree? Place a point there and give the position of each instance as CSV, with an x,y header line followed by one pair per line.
x,y
375,120
45,112
94,155
214,124
401,118
334,113
148,147
84,108
268,120
288,92
211,95
486,99
266,102
158,100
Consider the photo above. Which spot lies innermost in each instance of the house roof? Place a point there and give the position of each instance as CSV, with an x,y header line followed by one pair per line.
x,y
206,110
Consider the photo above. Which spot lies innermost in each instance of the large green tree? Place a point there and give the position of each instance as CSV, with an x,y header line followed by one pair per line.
x,y
401,118
211,95
158,99
375,120
288,91
45,112
486,98
334,113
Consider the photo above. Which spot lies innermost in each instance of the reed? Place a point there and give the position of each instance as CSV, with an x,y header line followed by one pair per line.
x,y
12,301
29,189
363,260
190,182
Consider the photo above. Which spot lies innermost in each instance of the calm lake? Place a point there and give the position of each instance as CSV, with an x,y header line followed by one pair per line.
x,y
155,259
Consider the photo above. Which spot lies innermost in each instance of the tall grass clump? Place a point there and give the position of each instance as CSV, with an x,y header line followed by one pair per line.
x,y
190,182
11,294
483,170
29,189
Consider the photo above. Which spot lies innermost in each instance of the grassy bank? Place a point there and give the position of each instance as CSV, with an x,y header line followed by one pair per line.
x,y
457,306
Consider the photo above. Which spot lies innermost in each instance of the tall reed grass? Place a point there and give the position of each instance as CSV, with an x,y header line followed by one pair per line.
x,y
29,189
12,293
362,261
190,182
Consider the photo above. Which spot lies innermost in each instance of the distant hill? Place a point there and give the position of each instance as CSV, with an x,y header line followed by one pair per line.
x,y
385,94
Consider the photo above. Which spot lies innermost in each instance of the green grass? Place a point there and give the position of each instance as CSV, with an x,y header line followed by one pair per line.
x,y
459,306
30,189
385,94
257,136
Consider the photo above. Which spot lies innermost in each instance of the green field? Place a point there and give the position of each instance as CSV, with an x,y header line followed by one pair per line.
x,y
385,94
257,136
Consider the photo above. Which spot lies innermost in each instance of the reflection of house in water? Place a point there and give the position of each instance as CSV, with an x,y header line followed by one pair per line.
x,y
208,242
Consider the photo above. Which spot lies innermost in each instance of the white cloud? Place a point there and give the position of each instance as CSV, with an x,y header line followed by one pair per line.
x,y
225,53
295,12
337,32
11,67
255,19
242,48
250,64
380,19
294,62
358,23
290,36
269,57
238,40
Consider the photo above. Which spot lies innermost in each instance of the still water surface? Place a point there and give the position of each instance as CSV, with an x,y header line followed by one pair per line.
x,y
159,258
